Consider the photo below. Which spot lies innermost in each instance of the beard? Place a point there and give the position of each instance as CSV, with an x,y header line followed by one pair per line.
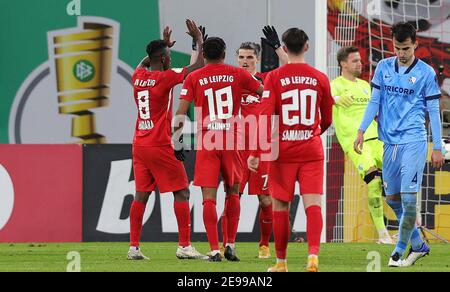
x,y
357,73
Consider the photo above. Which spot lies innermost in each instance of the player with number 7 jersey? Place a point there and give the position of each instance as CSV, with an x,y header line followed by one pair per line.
x,y
300,95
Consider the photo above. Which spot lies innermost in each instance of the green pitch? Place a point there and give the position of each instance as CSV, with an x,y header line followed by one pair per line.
x,y
96,257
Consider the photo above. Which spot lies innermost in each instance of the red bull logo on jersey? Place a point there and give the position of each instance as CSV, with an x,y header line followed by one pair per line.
x,y
249,99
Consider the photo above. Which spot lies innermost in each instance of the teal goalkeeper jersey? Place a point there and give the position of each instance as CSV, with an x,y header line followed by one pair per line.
x,y
347,120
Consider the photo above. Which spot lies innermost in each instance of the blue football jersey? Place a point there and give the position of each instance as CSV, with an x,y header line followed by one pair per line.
x,y
403,96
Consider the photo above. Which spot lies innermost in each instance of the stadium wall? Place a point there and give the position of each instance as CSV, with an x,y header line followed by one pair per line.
x,y
72,193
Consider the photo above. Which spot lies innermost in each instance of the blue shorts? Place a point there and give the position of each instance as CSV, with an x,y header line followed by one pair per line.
x,y
403,167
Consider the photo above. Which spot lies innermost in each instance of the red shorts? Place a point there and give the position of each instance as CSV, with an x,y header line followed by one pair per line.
x,y
258,183
284,175
158,167
209,164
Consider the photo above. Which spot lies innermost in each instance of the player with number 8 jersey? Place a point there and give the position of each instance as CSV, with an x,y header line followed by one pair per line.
x,y
300,95
154,162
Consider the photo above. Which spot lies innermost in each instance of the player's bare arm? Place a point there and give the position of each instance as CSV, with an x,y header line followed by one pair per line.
x,y
326,109
177,137
180,115
196,34
194,53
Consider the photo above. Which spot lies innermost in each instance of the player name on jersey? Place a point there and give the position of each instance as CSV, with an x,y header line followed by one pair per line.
x,y
219,126
297,135
216,79
145,125
144,83
298,80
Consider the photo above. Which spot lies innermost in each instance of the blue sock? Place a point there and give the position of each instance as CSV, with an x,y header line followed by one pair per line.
x,y
416,239
407,222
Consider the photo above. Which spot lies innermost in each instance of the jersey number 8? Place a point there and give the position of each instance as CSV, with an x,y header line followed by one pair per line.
x,y
144,105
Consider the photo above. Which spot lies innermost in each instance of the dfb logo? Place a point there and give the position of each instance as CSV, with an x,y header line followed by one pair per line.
x,y
117,189
6,197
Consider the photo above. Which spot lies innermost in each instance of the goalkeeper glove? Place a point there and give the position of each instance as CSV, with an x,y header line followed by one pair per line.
x,y
205,36
345,100
179,149
271,37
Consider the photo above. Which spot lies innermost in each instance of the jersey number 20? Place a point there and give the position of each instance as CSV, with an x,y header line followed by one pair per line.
x,y
299,103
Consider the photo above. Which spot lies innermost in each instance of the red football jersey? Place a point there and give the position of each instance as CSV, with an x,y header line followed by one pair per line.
x,y
300,96
251,106
216,90
153,97
261,75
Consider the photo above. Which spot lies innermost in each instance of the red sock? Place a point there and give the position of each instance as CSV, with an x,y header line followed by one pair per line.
x,y
210,221
313,228
281,232
233,209
136,214
224,223
183,214
265,223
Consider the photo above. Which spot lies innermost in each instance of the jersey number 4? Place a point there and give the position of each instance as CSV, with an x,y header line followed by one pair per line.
x,y
216,101
297,112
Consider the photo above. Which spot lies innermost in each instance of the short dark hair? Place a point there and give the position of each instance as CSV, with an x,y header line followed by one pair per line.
x,y
344,52
401,31
250,46
295,40
155,47
213,48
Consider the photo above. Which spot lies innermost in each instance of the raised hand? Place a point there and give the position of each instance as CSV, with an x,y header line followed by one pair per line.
x,y
205,36
166,37
271,36
194,31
